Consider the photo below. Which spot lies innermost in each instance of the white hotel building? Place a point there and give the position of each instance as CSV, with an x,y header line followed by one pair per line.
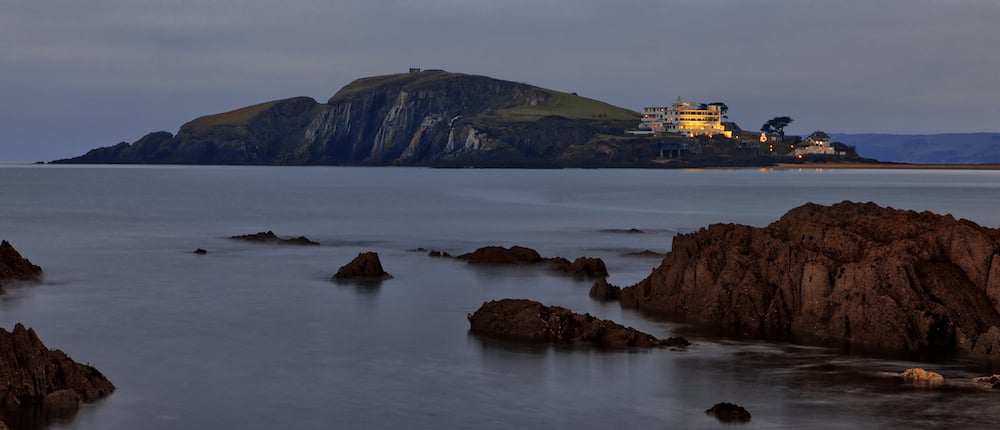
x,y
683,118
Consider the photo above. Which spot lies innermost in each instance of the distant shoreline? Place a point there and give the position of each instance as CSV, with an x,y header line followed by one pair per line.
x,y
887,166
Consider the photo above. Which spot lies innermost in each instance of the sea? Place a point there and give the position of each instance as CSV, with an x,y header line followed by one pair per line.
x,y
256,336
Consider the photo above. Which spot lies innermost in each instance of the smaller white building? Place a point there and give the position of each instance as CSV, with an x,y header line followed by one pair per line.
x,y
817,143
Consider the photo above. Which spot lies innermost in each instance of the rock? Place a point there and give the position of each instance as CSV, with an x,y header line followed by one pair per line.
x,y
581,267
645,253
729,413
528,320
515,255
439,254
3,426
62,399
605,292
877,277
270,237
634,231
992,381
921,377
365,267
200,251
29,372
14,267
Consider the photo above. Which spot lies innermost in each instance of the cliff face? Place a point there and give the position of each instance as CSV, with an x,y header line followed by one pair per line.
x,y
425,118
873,276
14,267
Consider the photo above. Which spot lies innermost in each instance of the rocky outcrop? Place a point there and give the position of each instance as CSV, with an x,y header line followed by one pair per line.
x,y
515,255
365,267
920,377
992,381
605,292
589,267
528,320
14,267
430,117
856,272
729,413
30,372
270,237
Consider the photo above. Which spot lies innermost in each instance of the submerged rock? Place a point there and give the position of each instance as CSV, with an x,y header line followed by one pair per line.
x,y
30,373
921,377
581,267
645,253
438,254
200,251
499,255
729,413
365,267
14,267
270,237
879,277
528,320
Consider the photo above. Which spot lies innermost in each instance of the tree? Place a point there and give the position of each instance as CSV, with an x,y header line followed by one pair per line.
x,y
776,125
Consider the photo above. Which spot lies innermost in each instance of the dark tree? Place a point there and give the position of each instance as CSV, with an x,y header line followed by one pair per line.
x,y
776,125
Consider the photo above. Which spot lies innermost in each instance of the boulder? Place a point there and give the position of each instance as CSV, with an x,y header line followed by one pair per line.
x,y
921,377
14,267
30,372
200,251
729,413
438,254
528,320
515,255
365,267
270,237
605,292
581,267
858,273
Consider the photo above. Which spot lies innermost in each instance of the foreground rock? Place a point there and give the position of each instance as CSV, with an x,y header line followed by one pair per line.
x,y
270,237
528,320
365,267
31,374
729,413
992,381
880,277
14,267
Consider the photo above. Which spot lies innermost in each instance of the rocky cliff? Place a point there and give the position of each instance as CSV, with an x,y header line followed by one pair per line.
x,y
14,267
867,275
425,118
29,372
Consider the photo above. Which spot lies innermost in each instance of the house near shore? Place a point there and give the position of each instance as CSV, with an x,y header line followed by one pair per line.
x,y
817,144
683,118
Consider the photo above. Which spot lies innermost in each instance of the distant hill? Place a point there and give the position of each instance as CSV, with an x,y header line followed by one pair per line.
x,y
960,148
424,118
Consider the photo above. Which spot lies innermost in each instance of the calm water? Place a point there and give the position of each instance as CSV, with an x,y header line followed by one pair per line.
x,y
256,337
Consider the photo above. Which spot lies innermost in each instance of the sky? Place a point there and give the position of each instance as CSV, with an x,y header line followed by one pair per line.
x,y
76,75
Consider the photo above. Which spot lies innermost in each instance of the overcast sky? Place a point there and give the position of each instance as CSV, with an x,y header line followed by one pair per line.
x,y
75,75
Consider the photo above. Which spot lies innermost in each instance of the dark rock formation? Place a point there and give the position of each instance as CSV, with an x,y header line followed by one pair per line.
x,y
14,267
605,292
365,267
645,253
500,255
531,321
29,372
729,413
880,277
62,399
270,237
200,251
438,254
581,267
992,381
425,118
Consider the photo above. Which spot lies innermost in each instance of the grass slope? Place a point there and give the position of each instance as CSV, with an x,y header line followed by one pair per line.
x,y
569,106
